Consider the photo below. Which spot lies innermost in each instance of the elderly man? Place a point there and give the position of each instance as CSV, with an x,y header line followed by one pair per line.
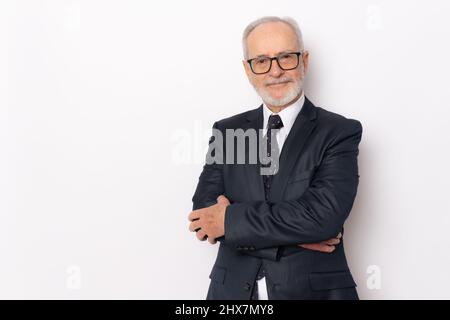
x,y
280,230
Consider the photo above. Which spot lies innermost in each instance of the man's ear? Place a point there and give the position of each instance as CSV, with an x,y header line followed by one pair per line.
x,y
305,58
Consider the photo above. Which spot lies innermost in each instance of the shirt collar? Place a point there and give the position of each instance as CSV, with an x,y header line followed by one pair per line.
x,y
287,115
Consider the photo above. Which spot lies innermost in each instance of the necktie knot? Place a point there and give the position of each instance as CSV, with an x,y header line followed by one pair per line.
x,y
275,122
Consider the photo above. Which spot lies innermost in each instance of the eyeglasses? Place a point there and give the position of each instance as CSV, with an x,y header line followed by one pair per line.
x,y
263,64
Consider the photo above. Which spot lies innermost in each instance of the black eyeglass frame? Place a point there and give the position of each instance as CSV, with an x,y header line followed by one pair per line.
x,y
298,53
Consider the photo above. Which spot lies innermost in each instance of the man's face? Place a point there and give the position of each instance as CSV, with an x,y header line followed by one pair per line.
x,y
277,87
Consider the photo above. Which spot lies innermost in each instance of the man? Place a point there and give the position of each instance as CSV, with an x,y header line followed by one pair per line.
x,y
280,231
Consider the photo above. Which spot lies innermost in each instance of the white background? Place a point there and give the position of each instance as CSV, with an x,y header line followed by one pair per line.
x,y
105,112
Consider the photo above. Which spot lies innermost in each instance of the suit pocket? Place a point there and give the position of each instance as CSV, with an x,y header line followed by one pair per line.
x,y
299,176
218,274
331,280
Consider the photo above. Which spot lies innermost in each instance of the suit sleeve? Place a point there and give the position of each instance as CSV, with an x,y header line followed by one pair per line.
x,y
210,183
209,187
319,214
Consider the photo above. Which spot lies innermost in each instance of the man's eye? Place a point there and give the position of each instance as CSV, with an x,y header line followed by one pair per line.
x,y
262,60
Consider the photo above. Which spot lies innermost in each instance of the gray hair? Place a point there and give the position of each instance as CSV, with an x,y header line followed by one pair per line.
x,y
287,20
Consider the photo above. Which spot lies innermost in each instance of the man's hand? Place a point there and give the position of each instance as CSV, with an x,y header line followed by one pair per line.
x,y
209,222
327,246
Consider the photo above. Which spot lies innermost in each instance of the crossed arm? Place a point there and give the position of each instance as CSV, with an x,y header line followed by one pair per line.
x,y
317,215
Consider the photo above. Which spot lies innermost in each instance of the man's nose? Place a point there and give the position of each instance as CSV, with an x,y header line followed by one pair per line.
x,y
275,70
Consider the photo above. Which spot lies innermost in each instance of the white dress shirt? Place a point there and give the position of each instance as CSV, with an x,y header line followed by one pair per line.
x,y
288,116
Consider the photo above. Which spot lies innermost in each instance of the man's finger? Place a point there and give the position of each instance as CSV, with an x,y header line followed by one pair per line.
x,y
318,247
311,246
332,242
201,235
194,215
194,225
222,199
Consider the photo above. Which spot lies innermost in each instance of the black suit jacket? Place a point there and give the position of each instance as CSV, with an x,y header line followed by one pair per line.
x,y
310,199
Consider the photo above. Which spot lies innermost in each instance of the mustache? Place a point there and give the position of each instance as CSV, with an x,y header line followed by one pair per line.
x,y
277,81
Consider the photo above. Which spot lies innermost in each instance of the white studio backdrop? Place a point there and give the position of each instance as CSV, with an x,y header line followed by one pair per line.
x,y
105,112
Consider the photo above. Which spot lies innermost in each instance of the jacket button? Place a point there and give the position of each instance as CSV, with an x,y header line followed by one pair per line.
x,y
252,248
247,286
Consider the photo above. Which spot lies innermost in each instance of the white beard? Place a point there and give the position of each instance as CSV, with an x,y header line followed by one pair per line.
x,y
292,93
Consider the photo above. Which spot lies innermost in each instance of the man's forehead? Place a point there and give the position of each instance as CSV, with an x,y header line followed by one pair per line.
x,y
266,54
272,39
271,49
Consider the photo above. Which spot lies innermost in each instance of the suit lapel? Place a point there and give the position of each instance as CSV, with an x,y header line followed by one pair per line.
x,y
295,141
252,171
300,131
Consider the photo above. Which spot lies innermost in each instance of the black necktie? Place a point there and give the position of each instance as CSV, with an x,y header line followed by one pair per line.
x,y
273,151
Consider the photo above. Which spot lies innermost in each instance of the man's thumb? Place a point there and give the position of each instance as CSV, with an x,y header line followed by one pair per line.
x,y
222,199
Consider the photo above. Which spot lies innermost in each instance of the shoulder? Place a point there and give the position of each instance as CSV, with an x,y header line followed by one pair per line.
x,y
237,120
337,123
